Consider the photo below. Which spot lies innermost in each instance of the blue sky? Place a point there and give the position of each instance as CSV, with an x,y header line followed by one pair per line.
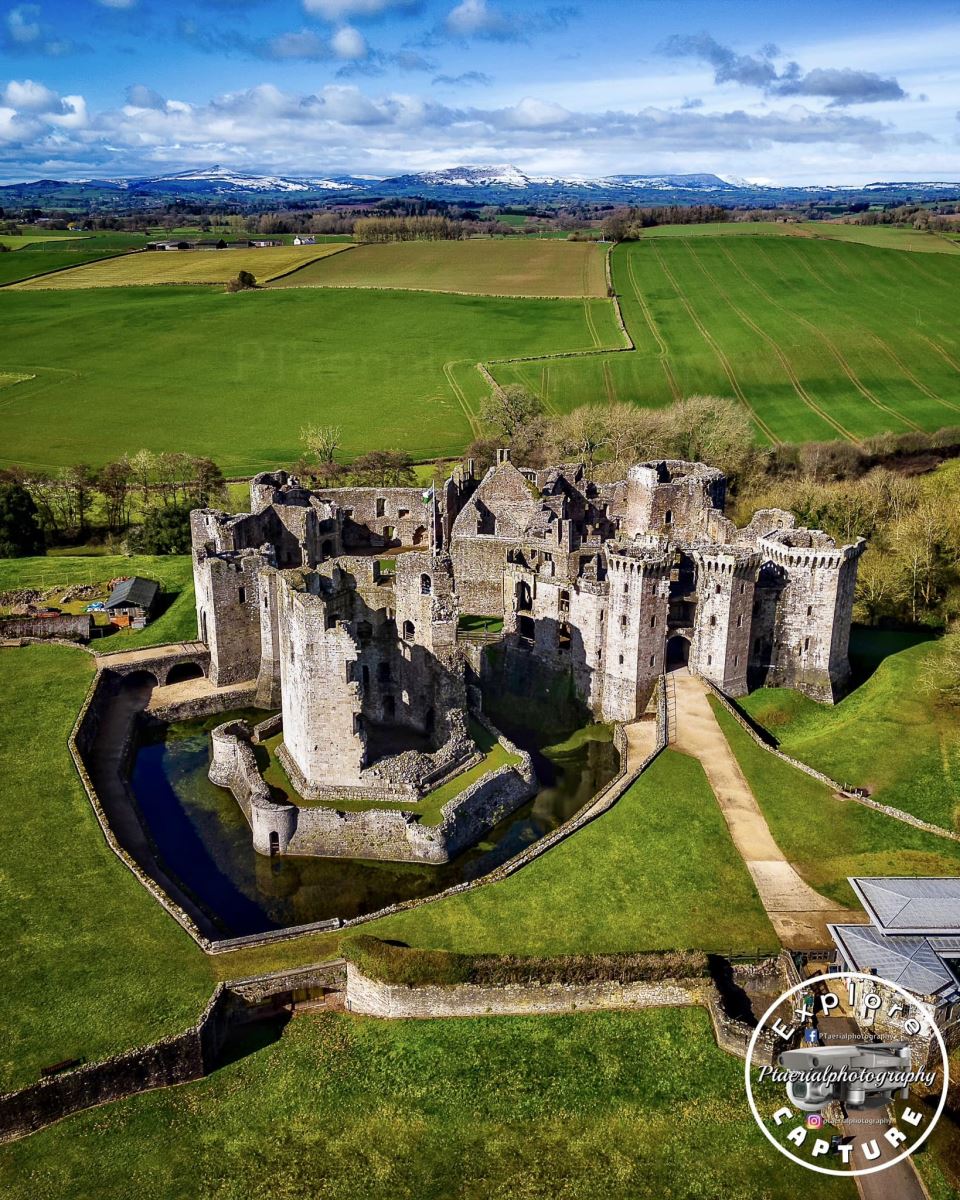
x,y
811,93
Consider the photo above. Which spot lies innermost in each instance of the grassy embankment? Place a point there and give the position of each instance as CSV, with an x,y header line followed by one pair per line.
x,y
890,735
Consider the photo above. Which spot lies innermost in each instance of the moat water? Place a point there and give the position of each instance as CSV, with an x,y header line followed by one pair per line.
x,y
203,838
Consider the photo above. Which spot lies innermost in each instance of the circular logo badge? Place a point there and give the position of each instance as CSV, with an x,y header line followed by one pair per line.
x,y
835,1069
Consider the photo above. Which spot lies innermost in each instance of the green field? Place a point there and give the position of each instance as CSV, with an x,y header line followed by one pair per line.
x,y
92,964
182,266
625,1106
16,241
236,377
494,267
819,339
34,262
648,875
891,237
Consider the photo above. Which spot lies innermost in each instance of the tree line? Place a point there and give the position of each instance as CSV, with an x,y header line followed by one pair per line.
x,y
146,496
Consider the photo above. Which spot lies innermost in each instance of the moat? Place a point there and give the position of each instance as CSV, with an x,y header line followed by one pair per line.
x,y
203,838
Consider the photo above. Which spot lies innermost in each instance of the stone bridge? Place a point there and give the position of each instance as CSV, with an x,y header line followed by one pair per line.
x,y
168,664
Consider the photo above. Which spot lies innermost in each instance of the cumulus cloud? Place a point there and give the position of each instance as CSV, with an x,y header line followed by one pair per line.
x,y
28,96
343,127
840,85
348,42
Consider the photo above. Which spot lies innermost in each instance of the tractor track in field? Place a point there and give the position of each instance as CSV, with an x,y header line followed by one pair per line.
x,y
591,328
663,354
717,349
461,396
884,346
774,345
892,282
609,384
821,336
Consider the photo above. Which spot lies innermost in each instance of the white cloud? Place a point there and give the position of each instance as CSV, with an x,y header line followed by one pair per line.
x,y
22,24
341,127
472,17
117,3
340,10
349,43
28,96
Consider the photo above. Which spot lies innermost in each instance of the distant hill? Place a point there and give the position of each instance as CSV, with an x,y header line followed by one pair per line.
x,y
487,184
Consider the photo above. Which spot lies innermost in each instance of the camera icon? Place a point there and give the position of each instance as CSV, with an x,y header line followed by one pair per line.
x,y
861,1076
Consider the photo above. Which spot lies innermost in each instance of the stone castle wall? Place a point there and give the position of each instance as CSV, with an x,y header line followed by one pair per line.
x,y
392,835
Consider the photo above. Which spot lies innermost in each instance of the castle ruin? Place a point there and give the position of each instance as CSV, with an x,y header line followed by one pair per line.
x,y
344,603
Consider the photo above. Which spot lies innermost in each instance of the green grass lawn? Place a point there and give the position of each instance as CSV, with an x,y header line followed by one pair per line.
x,y
828,839
174,572
623,1106
888,735
92,964
820,338
236,377
658,871
429,808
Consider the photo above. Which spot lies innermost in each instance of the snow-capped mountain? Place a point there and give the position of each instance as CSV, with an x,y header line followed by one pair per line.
x,y
501,183
222,180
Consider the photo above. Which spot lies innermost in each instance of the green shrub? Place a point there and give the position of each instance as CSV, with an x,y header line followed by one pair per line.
x,y
390,963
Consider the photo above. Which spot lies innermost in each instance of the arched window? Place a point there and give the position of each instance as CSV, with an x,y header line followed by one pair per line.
x,y
426,585
523,596
274,842
408,631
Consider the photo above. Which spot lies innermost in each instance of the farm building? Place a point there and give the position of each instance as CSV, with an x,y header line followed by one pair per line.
x,y
132,601
304,239
265,243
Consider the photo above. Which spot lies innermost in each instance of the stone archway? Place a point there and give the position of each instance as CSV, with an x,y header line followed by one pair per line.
x,y
677,652
180,672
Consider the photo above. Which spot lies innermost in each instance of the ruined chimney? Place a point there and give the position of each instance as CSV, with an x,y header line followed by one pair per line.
x,y
503,456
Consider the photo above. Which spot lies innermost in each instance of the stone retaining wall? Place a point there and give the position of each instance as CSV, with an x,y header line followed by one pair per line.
x,y
372,998
888,810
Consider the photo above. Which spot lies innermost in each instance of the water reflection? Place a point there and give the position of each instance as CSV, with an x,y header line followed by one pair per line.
x,y
203,838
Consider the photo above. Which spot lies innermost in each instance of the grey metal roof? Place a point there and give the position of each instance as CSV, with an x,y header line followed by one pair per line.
x,y
910,960
137,591
911,905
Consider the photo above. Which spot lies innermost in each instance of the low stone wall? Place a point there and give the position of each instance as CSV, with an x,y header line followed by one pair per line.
x,y
177,1059
394,835
65,627
375,999
898,814
203,706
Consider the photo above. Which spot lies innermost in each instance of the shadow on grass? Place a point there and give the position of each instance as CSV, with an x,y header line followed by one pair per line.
x,y
870,646
245,1040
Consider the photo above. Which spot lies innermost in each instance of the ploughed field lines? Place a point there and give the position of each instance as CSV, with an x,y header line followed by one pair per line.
x,y
817,339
